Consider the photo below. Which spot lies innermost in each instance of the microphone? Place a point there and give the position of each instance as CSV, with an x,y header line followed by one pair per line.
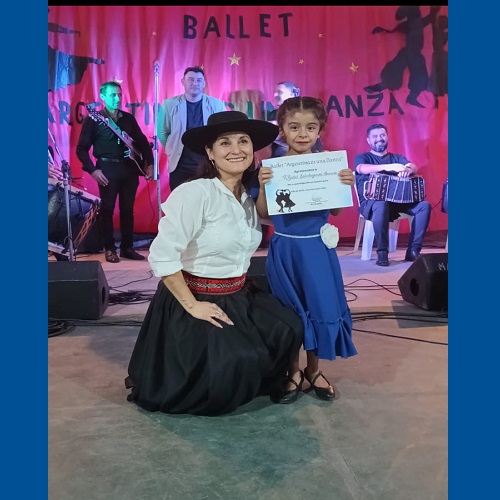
x,y
156,65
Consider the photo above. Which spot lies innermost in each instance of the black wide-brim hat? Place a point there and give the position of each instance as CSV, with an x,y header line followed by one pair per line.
x,y
261,133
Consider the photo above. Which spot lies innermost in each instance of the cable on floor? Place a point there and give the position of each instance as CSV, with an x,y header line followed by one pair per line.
x,y
59,327
373,286
150,275
440,318
130,296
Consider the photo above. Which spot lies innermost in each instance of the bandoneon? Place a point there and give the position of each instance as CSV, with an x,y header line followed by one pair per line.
x,y
385,187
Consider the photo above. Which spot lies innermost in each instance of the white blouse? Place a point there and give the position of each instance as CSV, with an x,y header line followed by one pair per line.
x,y
205,231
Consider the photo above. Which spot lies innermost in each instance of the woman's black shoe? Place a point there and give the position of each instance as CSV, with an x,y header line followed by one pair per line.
x,y
326,393
289,396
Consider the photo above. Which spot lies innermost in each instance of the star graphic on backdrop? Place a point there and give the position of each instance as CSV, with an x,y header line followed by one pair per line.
x,y
301,61
117,80
320,35
353,68
234,59
202,67
153,34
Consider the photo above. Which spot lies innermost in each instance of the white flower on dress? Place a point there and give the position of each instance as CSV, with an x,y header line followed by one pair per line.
x,y
330,235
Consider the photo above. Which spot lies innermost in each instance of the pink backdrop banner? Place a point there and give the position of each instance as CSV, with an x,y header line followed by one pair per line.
x,y
368,64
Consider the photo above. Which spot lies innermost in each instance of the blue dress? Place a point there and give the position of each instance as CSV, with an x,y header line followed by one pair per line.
x,y
305,275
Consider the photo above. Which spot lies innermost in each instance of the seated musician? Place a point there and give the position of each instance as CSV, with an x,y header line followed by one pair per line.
x,y
380,212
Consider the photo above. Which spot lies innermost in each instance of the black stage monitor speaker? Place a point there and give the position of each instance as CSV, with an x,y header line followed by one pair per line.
x,y
425,282
77,290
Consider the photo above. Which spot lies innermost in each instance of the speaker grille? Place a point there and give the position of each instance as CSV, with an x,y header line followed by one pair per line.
x,y
77,290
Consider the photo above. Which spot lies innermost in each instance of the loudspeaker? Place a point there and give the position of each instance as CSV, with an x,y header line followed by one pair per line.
x,y
77,290
425,282
257,272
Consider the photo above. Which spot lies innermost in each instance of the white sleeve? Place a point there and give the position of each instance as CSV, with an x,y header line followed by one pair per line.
x,y
183,217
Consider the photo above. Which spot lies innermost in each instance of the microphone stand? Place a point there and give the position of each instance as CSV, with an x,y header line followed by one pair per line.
x,y
156,174
66,171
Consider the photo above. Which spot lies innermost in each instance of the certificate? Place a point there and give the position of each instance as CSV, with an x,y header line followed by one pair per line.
x,y
302,183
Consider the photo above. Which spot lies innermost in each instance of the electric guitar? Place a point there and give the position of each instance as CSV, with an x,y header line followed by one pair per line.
x,y
133,153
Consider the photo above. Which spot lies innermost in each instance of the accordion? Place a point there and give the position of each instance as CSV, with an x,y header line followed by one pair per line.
x,y
385,187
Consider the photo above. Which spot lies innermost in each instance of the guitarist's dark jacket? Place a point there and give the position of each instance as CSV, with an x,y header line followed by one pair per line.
x,y
106,144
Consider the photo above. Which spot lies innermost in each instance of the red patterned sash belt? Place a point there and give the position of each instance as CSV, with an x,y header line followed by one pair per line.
x,y
214,286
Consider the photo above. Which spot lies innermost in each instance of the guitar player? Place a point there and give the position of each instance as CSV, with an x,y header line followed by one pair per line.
x,y
122,154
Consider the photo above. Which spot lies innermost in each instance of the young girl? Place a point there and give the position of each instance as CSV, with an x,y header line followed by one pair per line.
x,y
303,272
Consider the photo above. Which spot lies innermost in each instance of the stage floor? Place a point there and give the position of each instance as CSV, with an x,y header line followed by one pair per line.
x,y
384,437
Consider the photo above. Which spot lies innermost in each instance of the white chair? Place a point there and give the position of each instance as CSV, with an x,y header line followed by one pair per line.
x,y
365,230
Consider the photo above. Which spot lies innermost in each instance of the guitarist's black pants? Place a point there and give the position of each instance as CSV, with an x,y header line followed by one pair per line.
x,y
123,183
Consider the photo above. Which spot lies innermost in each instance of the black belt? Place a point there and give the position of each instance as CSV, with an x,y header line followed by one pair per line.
x,y
114,160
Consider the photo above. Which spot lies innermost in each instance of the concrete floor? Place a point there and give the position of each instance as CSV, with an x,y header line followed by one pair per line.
x,y
385,437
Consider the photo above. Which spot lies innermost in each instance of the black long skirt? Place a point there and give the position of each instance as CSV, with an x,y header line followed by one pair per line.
x,y
181,364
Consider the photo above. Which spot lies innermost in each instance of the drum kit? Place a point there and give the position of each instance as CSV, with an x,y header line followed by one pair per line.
x,y
71,211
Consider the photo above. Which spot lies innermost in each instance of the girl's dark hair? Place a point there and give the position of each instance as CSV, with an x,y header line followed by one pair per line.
x,y
294,104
